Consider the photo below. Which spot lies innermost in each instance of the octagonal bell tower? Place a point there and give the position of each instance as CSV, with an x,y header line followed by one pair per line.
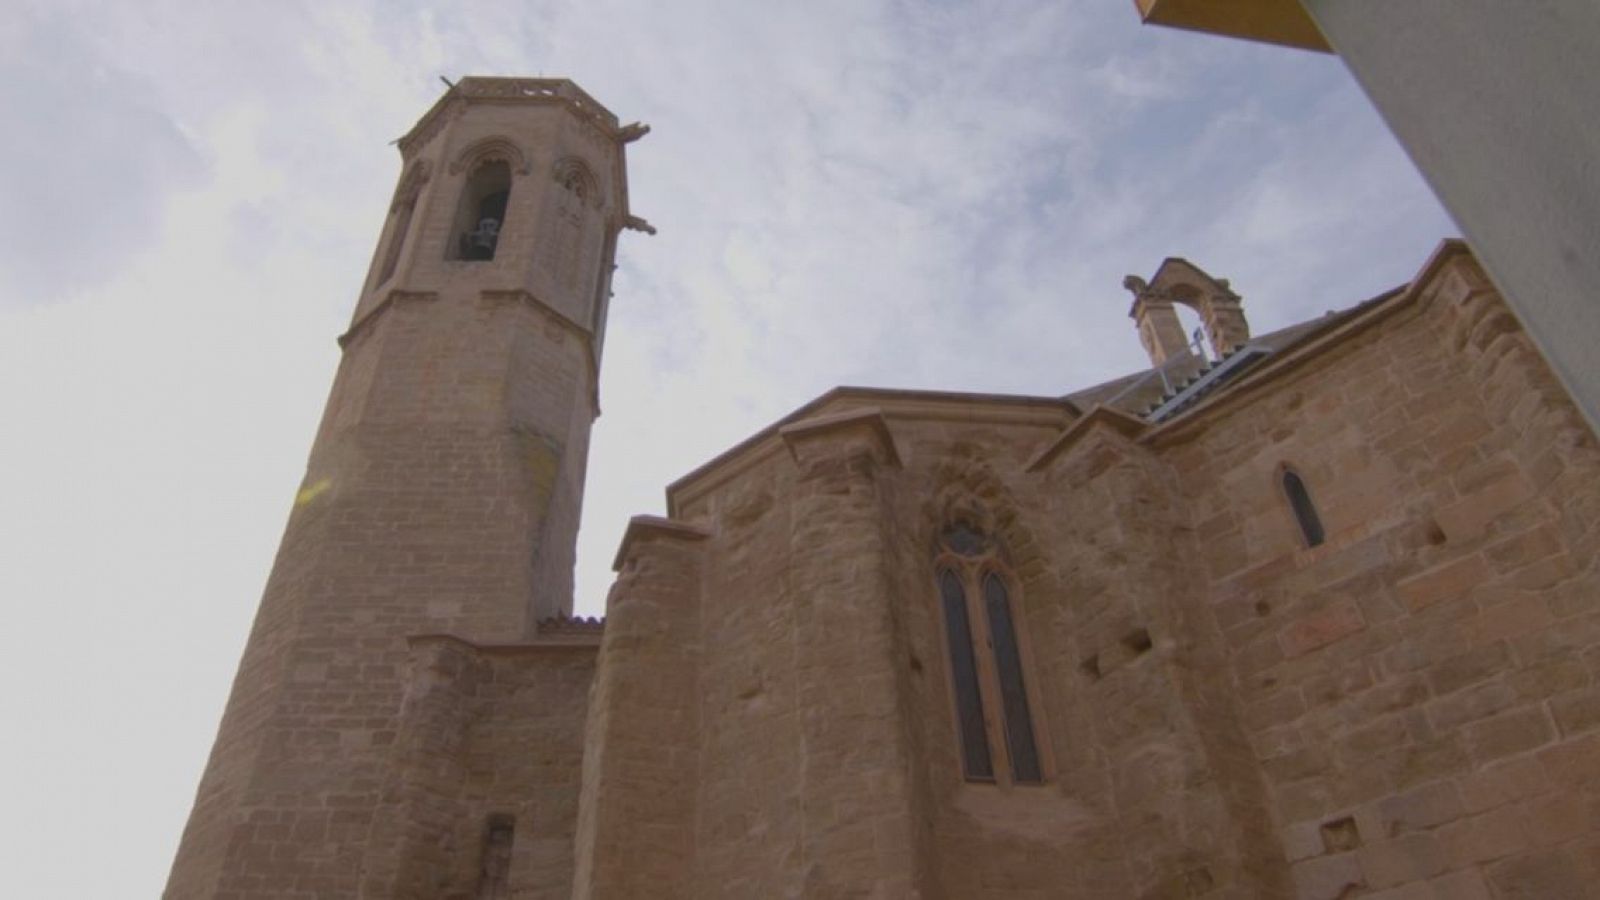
x,y
443,491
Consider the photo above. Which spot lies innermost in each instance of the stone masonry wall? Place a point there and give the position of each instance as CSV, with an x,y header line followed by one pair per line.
x,y
841,777
489,735
636,825
1408,710
418,516
1422,691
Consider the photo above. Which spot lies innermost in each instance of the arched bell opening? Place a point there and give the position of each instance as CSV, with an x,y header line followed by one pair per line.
x,y
481,213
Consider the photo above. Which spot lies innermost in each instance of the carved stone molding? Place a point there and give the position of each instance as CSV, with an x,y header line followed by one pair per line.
x,y
644,529
868,427
489,149
431,124
411,184
1098,417
574,175
393,298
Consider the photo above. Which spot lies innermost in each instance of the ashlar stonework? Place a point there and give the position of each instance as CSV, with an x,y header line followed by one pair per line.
x,y
1311,615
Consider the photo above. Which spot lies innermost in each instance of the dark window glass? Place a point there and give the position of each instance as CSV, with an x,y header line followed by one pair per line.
x,y
1305,512
1013,695
964,671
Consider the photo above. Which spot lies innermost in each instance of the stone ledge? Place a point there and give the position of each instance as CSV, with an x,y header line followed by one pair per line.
x,y
508,648
396,296
896,403
870,420
646,528
1099,415
529,299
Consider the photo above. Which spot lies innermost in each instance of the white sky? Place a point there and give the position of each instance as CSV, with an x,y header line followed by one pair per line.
x,y
927,195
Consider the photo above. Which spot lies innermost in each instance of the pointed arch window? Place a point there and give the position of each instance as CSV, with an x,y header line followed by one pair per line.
x,y
987,662
1305,511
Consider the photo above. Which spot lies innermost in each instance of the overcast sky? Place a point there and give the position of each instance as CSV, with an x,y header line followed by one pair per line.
x,y
928,195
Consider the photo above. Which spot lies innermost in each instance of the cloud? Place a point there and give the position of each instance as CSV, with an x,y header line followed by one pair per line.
x,y
84,185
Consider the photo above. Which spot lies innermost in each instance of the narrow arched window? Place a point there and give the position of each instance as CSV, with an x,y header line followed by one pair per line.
x,y
481,214
974,736
1305,512
994,710
397,239
1020,746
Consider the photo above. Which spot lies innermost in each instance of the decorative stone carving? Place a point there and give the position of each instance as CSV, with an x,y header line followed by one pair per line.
x,y
574,175
491,149
411,184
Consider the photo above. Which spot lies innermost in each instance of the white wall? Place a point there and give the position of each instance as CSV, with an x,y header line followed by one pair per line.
x,y
1498,103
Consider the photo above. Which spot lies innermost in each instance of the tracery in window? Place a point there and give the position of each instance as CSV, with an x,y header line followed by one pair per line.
x,y
1305,512
987,662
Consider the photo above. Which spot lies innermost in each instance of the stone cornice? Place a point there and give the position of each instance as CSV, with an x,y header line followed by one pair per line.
x,y
512,296
495,147
393,297
479,89
1415,296
869,421
505,648
1129,426
642,529
518,295
1006,410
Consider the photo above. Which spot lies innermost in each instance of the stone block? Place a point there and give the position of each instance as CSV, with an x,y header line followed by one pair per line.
x,y
1557,818
1523,613
1466,884
1505,782
1508,734
1471,704
1424,807
1328,877
1484,837
1524,548
1542,875
1576,712
1467,668
1466,518
1412,857
1443,582
1321,629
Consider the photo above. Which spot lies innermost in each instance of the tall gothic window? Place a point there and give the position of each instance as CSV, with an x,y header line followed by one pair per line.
x,y
994,711
1305,512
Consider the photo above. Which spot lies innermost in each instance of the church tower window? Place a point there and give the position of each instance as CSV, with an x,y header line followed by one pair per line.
x,y
994,711
1305,512
481,214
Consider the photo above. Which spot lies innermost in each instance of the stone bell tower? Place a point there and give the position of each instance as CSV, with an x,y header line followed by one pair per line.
x,y
443,491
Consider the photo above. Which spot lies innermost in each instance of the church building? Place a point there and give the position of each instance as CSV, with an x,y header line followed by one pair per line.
x,y
1313,614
